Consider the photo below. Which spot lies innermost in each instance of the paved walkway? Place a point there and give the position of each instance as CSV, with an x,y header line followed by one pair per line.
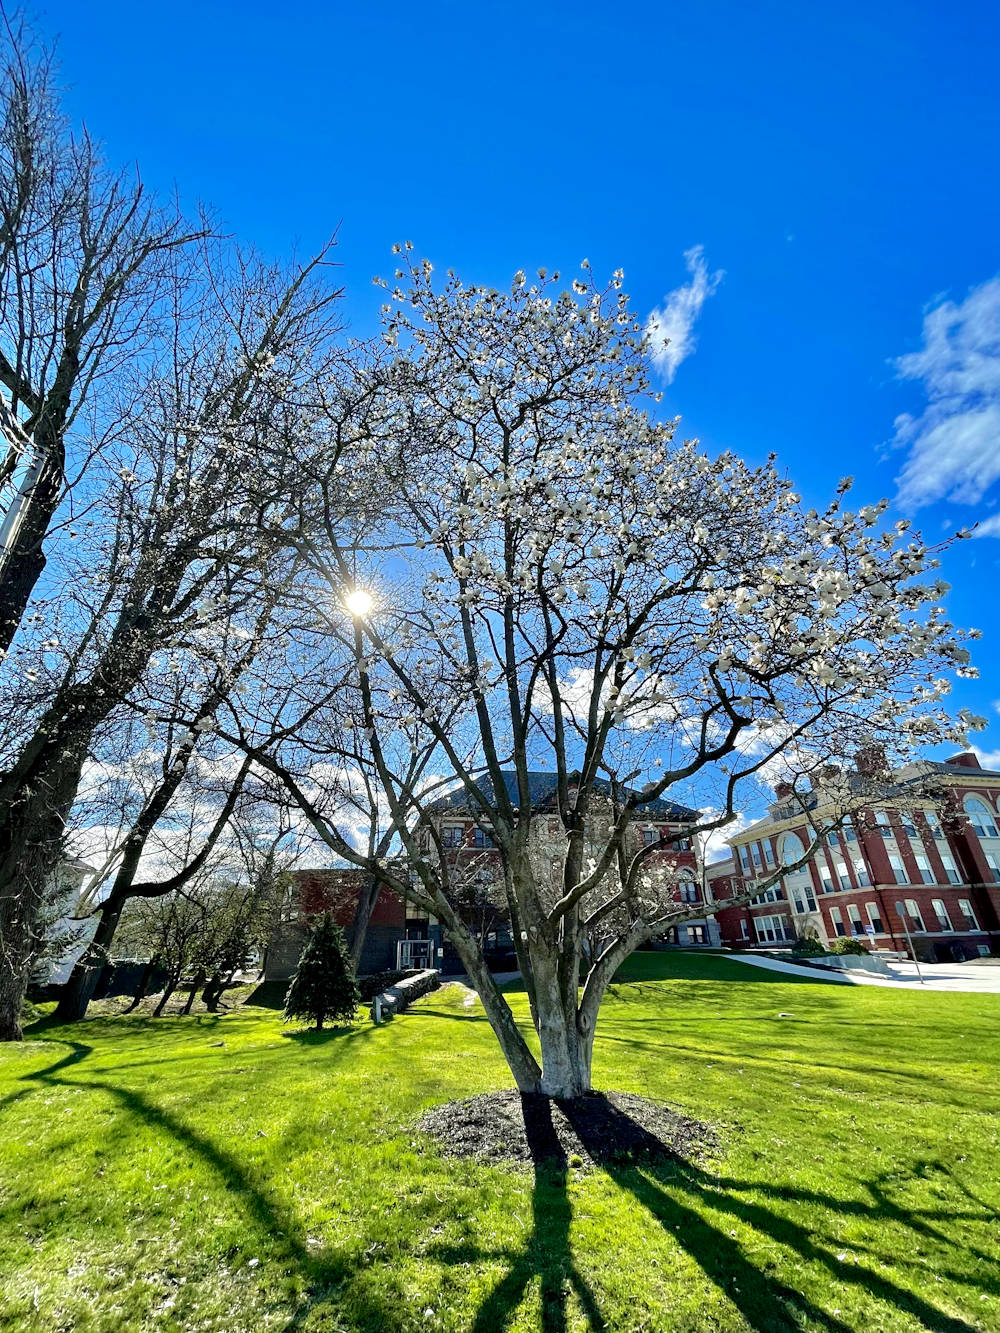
x,y
972,977
501,978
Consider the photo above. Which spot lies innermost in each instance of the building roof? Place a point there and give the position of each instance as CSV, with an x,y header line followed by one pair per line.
x,y
719,868
542,789
892,786
955,770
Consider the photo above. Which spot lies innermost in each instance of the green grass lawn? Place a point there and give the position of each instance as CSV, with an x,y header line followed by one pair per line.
x,y
225,1173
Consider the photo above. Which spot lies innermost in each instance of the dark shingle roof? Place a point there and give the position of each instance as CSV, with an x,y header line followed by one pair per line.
x,y
542,789
962,770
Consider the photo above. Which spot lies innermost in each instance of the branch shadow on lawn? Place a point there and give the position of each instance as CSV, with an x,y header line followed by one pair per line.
x,y
547,1253
323,1274
674,1192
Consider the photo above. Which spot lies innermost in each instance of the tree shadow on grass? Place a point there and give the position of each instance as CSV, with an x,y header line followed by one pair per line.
x,y
677,1193
672,1195
546,1254
426,1012
310,1037
324,1274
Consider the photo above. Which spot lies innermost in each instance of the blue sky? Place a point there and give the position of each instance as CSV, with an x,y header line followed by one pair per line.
x,y
838,163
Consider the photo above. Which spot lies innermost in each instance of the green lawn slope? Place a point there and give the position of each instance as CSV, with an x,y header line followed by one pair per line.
x,y
228,1173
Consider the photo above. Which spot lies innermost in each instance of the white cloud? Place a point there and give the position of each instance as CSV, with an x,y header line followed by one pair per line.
x,y
989,527
954,445
716,848
670,329
988,758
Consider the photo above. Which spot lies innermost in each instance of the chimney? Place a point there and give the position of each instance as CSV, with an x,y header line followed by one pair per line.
x,y
872,761
782,790
967,760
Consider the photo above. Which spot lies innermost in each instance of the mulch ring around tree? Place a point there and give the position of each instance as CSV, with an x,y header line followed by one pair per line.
x,y
599,1128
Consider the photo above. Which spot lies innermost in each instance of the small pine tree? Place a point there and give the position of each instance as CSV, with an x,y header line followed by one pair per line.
x,y
323,986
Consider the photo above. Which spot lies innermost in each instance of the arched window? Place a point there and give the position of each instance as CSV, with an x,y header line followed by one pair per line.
x,y
981,817
689,890
791,849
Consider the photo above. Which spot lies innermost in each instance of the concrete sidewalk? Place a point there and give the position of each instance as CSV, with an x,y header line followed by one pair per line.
x,y
501,978
970,977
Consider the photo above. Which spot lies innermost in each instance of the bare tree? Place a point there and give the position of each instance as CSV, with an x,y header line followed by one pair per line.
x,y
125,883
572,592
198,472
190,767
207,930
87,272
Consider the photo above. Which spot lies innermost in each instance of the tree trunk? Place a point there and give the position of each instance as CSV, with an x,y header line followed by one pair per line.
x,y
21,901
170,988
367,899
199,981
521,1062
13,972
15,951
212,993
24,560
143,986
79,989
566,1052
565,1034
35,798
523,959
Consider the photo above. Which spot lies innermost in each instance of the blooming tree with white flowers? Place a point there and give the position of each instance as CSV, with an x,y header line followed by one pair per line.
x,y
572,589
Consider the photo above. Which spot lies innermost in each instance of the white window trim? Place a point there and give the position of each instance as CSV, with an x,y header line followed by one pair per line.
x,y
983,808
875,918
916,921
941,912
898,868
969,912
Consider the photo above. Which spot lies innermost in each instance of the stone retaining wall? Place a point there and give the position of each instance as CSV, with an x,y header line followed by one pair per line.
x,y
396,998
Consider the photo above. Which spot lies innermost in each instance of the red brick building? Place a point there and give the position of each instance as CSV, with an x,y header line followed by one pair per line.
x,y
470,851
926,863
313,892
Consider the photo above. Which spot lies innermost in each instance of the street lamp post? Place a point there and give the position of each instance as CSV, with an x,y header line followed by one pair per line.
x,y
904,916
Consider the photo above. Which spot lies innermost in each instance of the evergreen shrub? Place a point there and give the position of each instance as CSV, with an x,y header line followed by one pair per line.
x,y
807,946
323,986
845,944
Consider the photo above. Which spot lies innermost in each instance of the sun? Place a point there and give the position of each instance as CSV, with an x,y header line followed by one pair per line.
x,y
359,602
